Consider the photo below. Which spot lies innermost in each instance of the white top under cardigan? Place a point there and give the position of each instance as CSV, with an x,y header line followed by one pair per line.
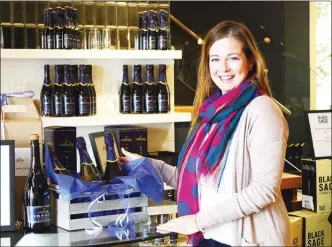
x,y
248,209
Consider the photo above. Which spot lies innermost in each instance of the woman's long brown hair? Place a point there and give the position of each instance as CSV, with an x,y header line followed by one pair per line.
x,y
237,31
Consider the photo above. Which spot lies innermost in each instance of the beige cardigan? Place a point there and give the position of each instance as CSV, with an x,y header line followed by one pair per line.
x,y
255,208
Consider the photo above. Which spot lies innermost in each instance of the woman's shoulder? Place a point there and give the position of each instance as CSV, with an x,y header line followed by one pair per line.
x,y
263,106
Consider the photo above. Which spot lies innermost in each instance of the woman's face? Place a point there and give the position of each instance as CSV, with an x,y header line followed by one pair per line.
x,y
228,64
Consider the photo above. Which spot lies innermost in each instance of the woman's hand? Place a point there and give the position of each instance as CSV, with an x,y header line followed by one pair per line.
x,y
185,225
128,156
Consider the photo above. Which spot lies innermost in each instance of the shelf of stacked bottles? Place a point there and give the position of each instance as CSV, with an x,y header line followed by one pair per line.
x,y
40,54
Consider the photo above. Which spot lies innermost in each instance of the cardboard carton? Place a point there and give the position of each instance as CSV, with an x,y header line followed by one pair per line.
x,y
317,228
317,185
20,119
296,224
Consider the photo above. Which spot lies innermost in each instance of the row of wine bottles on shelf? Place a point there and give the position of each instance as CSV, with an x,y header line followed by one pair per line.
x,y
60,29
68,96
147,97
153,31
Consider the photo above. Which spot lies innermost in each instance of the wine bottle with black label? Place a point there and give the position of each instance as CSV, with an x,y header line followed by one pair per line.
x,y
46,93
163,30
149,91
112,164
37,200
89,171
143,31
68,94
83,93
137,91
163,94
57,91
125,94
58,28
152,30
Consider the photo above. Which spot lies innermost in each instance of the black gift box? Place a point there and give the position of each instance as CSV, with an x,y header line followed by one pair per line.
x,y
64,141
132,138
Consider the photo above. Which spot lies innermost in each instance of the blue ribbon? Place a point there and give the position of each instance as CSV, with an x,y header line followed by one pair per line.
x,y
141,176
23,94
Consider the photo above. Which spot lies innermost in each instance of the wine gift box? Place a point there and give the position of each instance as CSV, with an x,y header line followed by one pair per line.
x,y
317,185
73,215
132,138
296,230
316,228
64,141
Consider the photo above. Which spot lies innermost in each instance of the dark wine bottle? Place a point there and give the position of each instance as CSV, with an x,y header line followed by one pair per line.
x,y
46,93
112,168
73,71
50,38
57,91
152,30
37,200
67,31
58,28
137,91
68,93
163,94
125,93
92,91
163,30
83,93
89,172
149,91
143,31
44,31
58,167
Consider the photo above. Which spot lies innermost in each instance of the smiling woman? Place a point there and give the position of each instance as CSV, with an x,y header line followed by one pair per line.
x,y
229,169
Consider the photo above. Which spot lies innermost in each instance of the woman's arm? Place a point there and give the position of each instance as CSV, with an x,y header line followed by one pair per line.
x,y
267,146
168,172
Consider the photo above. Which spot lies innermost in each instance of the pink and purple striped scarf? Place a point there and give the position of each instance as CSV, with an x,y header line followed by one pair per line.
x,y
201,155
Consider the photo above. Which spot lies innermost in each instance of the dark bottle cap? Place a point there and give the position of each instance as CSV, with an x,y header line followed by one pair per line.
x,y
152,19
162,72
47,79
66,73
73,73
58,73
80,143
145,20
163,19
137,73
125,73
149,73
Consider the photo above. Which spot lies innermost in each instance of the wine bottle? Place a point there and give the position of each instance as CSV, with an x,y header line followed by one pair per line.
x,y
163,94
112,168
67,32
83,93
57,91
143,31
163,30
44,31
137,91
37,200
50,38
46,93
68,93
149,91
92,91
152,30
73,70
58,167
58,28
89,172
125,93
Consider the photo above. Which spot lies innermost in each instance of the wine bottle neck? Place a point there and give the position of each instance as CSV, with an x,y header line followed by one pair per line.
x,y
35,157
84,155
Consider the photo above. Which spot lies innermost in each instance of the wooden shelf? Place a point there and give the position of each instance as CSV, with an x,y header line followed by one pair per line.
x,y
290,181
116,119
89,54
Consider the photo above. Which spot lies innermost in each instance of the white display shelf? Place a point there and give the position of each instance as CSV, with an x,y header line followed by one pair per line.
x,y
117,119
89,54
